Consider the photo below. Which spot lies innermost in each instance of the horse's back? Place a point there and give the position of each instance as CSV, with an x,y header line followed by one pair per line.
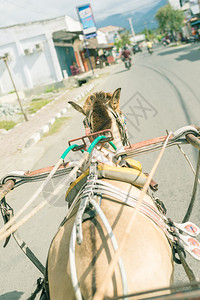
x,y
146,254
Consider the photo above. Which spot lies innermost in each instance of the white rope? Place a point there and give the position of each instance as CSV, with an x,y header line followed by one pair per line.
x,y
33,198
189,162
101,291
114,243
74,277
5,233
72,263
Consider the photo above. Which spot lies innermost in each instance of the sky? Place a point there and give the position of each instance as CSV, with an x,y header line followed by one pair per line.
x,y
20,11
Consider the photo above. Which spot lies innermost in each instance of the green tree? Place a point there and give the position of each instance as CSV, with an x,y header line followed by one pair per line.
x,y
169,19
125,37
118,44
149,34
123,41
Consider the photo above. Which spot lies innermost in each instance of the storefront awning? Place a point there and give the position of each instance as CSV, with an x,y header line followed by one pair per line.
x,y
93,44
64,35
195,23
192,19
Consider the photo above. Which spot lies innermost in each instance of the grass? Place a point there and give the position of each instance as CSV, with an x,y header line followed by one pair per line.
x,y
57,125
7,125
175,45
50,89
104,75
36,99
37,104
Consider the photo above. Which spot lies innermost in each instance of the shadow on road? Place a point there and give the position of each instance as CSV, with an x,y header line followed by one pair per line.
x,y
11,296
190,54
125,70
194,55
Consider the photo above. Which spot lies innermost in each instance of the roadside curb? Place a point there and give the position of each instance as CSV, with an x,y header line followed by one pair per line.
x,y
36,137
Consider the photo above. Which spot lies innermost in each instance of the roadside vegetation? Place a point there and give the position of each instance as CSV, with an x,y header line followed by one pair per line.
x,y
32,105
123,41
37,104
7,125
51,89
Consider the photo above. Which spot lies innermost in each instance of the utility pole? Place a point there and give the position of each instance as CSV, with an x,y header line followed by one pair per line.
x,y
5,58
131,26
88,54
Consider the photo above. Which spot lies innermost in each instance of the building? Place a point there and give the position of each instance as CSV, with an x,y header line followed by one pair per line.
x,y
175,4
111,33
191,9
39,53
101,49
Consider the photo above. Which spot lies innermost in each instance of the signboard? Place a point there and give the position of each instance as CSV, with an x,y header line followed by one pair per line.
x,y
87,20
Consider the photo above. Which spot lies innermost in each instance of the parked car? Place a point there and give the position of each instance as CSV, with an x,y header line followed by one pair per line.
x,y
136,48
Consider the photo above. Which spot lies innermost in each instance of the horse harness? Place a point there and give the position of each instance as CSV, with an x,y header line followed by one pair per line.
x,y
92,191
95,188
89,201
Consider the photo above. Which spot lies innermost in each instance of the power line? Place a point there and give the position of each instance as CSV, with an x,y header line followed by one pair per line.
x,y
30,7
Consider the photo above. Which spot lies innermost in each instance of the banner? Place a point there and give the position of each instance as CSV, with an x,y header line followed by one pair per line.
x,y
87,20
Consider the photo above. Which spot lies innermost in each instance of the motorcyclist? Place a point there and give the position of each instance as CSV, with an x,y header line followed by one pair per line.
x,y
149,46
126,53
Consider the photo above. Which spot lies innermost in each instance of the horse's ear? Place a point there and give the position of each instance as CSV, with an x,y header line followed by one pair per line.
x,y
88,104
77,107
115,100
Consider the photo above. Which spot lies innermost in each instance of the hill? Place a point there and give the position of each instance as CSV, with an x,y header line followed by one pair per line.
x,y
140,19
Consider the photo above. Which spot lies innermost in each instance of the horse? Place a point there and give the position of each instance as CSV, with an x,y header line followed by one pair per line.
x,y
147,254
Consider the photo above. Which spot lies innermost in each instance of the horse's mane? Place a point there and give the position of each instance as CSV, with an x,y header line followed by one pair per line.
x,y
96,105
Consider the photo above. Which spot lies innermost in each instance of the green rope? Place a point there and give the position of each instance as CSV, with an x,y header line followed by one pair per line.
x,y
67,151
96,141
113,145
91,147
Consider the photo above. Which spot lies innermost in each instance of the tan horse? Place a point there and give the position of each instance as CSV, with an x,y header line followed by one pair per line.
x,y
147,255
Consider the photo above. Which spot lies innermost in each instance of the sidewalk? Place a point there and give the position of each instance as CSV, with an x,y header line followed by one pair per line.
x,y
16,144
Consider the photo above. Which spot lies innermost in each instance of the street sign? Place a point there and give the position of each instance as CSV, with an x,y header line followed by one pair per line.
x,y
87,20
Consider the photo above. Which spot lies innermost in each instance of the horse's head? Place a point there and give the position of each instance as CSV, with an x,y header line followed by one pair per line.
x,y
102,111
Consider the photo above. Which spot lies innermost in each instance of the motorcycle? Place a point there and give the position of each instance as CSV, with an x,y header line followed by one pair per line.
x,y
150,50
165,42
192,39
127,63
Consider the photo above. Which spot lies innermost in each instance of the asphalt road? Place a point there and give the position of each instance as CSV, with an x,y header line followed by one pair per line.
x,y
160,92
